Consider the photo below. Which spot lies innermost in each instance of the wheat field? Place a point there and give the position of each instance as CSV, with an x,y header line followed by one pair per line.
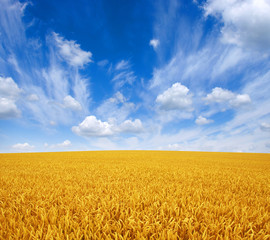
x,y
134,195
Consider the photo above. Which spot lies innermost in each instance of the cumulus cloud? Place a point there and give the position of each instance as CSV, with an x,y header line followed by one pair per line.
x,y
246,23
8,88
176,97
66,143
9,93
91,126
24,147
71,52
220,95
265,126
8,109
154,43
202,120
129,126
71,103
240,100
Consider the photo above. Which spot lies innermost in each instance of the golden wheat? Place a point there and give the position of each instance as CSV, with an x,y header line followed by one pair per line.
x,y
134,195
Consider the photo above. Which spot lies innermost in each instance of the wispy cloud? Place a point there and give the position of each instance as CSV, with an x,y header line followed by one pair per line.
x,y
115,107
103,63
123,74
46,89
215,63
208,81
123,64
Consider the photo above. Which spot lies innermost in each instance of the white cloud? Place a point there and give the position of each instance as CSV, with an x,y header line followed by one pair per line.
x,y
122,78
81,91
240,100
154,43
116,107
24,147
43,82
123,74
202,120
71,52
9,93
103,63
33,97
91,126
119,97
71,103
8,88
56,80
64,144
211,65
265,126
246,23
220,95
167,73
13,61
8,109
166,25
11,24
129,126
176,97
173,147
123,64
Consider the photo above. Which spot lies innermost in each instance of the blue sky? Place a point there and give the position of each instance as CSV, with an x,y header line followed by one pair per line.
x,y
162,75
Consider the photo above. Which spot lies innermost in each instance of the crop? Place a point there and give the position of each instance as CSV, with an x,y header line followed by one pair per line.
x,y
134,195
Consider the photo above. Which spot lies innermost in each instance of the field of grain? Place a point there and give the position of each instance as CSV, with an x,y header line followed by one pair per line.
x,y
134,195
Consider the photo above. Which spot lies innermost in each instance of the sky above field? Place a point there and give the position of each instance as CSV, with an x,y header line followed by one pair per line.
x,y
124,74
